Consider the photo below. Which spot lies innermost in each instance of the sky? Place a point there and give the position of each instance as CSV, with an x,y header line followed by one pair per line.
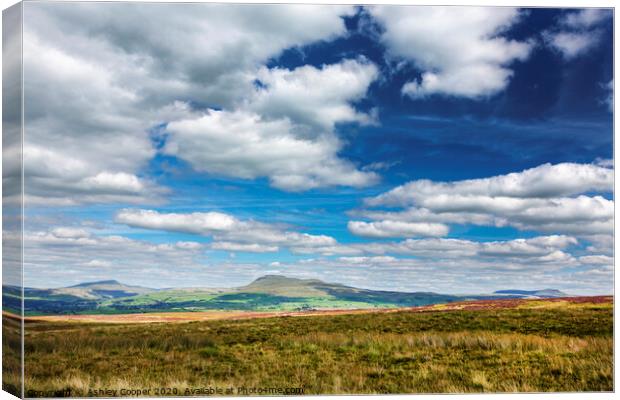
x,y
446,149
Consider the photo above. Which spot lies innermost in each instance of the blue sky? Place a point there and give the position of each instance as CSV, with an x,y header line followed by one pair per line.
x,y
400,148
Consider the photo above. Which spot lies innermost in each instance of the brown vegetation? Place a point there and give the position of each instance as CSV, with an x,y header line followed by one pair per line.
x,y
172,317
522,349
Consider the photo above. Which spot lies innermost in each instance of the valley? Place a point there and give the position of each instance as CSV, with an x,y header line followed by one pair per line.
x,y
270,293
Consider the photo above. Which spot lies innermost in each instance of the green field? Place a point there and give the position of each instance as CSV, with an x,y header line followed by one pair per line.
x,y
268,293
542,348
184,301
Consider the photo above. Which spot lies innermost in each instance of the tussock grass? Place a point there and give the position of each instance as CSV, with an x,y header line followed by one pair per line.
x,y
11,356
518,350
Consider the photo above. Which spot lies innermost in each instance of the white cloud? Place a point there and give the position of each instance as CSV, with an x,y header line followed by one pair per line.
x,y
98,264
284,131
546,246
100,75
572,44
597,260
533,199
437,264
604,162
70,233
585,18
460,50
547,251
416,214
319,98
197,223
229,232
391,229
577,32
245,247
368,260
544,181
542,249
473,276
244,145
329,250
73,254
72,146
601,243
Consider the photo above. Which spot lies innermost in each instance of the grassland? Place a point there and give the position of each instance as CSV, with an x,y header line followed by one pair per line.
x,y
265,294
172,301
540,346
11,355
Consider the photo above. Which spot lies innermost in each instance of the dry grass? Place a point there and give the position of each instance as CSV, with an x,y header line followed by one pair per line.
x,y
11,355
434,352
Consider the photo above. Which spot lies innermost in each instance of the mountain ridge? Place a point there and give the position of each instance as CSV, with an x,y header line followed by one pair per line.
x,y
265,293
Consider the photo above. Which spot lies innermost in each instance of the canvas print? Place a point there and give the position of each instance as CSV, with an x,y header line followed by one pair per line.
x,y
205,199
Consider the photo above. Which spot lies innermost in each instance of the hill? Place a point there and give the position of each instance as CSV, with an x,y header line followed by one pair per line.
x,y
284,286
267,293
102,290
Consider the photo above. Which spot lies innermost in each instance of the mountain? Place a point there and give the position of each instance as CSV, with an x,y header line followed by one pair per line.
x,y
278,285
84,297
544,293
102,290
284,286
267,293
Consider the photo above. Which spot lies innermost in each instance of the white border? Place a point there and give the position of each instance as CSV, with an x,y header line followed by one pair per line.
x,y
526,3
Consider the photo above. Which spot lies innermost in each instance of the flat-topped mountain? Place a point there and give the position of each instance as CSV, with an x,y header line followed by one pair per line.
x,y
269,292
97,283
284,286
101,290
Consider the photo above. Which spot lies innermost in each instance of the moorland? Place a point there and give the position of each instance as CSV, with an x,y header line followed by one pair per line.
x,y
506,345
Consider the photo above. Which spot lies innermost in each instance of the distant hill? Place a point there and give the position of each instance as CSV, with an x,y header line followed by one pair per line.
x,y
284,286
102,290
267,293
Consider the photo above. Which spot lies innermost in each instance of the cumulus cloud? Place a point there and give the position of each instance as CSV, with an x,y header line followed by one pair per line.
x,y
245,247
577,32
285,131
100,75
535,199
544,181
329,250
545,246
74,253
436,264
229,232
197,223
601,243
443,264
70,233
571,44
552,251
98,264
586,18
540,249
473,275
72,145
597,260
368,260
317,97
390,229
460,50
